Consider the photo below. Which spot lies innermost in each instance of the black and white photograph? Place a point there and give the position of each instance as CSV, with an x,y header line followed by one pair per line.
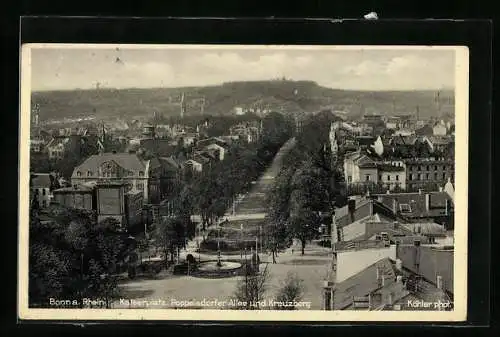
x,y
269,182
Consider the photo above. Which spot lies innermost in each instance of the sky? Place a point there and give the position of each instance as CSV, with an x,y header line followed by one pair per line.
x,y
66,68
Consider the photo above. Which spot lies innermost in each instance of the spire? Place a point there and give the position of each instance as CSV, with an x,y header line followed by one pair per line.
x,y
183,106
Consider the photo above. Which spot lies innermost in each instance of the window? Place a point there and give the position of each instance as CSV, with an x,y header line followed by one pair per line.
x,y
428,168
444,167
405,208
435,167
444,176
419,176
427,176
367,177
78,174
349,179
411,177
141,174
140,186
435,176
44,203
380,177
89,173
388,177
43,191
397,178
420,168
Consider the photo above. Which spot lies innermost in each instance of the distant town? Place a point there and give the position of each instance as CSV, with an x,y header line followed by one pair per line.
x,y
341,211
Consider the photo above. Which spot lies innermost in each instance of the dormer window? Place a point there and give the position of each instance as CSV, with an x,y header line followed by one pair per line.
x,y
78,174
141,173
405,208
89,173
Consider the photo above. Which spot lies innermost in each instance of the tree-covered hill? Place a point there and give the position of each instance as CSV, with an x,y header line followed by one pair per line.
x,y
275,95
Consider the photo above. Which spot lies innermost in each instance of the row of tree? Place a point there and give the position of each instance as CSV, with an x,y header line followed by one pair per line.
x,y
210,193
305,189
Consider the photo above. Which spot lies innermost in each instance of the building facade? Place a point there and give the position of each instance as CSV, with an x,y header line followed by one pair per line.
x,y
41,188
428,174
128,168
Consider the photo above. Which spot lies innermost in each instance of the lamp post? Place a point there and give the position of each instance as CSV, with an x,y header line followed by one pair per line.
x,y
241,241
218,248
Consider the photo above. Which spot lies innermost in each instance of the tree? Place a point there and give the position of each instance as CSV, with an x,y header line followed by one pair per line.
x,y
107,250
307,199
251,288
74,256
291,291
276,225
170,234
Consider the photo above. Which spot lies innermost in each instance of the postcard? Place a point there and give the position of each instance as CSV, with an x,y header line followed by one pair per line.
x,y
243,183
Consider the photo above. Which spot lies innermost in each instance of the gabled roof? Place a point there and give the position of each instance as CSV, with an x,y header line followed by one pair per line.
x,y
129,161
440,140
426,228
363,283
364,161
404,140
364,207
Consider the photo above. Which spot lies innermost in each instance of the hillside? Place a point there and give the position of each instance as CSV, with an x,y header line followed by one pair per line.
x,y
278,95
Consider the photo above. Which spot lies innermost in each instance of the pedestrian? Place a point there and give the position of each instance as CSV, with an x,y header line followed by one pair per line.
x,y
292,251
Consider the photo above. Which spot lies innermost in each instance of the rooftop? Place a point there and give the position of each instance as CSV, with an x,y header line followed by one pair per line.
x,y
41,180
362,283
414,204
129,161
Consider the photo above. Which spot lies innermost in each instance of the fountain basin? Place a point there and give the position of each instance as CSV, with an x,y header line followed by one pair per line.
x,y
211,269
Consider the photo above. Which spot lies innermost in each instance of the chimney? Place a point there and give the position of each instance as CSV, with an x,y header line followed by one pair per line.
x,y
394,206
416,255
388,192
380,277
399,279
427,202
447,207
439,282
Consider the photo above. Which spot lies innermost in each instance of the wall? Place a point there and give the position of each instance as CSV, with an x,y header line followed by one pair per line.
x,y
43,199
372,172
351,262
74,200
110,201
435,170
432,263
400,175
